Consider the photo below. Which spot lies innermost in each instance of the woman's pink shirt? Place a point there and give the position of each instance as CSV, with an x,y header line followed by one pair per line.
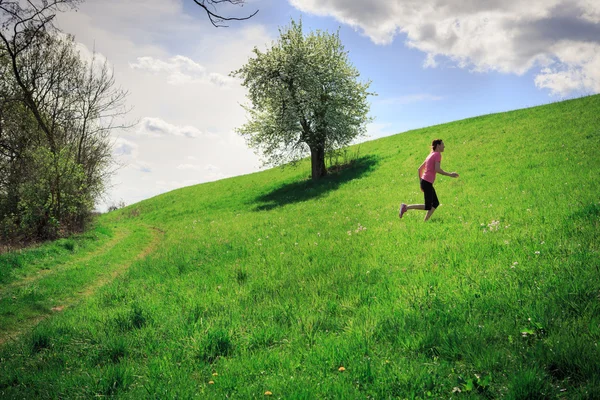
x,y
432,158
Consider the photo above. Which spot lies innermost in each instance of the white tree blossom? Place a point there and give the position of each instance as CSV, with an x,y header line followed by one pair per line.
x,y
305,96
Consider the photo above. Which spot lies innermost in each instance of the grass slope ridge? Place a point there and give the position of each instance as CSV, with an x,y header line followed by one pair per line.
x,y
272,283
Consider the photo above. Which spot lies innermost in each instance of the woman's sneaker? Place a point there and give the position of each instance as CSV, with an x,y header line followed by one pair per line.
x,y
403,208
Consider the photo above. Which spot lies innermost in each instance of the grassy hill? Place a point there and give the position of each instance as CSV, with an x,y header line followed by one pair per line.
x,y
271,285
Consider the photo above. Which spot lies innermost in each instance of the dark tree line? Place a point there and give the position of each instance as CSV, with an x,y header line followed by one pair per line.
x,y
56,113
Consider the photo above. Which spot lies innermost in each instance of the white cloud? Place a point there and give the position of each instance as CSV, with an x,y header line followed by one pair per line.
x,y
90,56
180,70
156,127
142,166
579,70
509,36
124,147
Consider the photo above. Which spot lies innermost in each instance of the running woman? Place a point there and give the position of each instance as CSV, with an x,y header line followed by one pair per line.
x,y
427,172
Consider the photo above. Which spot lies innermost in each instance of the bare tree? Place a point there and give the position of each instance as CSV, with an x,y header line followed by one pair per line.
x,y
23,22
99,108
215,17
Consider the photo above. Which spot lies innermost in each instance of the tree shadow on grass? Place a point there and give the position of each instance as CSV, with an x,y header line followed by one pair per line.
x,y
308,189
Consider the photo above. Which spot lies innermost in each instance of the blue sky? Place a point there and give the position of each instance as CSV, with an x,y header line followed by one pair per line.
x,y
430,62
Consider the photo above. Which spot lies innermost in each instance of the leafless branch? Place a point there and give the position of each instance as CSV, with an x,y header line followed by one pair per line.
x,y
215,18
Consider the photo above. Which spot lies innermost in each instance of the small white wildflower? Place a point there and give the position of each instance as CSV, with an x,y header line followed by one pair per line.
x,y
537,252
493,226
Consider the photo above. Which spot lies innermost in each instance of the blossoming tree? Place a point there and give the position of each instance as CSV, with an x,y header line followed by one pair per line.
x,y
305,97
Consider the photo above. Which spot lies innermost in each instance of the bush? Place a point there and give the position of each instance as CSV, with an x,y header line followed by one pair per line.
x,y
53,199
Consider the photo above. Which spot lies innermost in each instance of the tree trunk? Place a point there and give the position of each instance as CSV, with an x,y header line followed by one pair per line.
x,y
317,157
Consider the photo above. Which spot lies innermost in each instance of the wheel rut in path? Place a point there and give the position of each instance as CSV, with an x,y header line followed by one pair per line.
x,y
68,301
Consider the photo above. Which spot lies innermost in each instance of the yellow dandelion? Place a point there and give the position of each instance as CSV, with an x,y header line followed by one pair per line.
x,y
211,382
268,393
341,369
215,374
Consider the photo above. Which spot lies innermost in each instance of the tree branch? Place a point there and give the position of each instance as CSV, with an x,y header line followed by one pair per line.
x,y
216,19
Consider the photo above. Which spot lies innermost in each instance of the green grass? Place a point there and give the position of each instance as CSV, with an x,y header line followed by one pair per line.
x,y
19,264
270,282
58,275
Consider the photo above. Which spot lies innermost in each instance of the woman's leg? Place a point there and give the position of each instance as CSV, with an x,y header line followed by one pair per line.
x,y
416,207
429,212
431,201
405,207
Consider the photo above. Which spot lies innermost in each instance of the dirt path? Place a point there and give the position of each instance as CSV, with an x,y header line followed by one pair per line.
x,y
85,292
42,273
157,235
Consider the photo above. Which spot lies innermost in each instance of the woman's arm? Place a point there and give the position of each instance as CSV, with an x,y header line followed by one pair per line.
x,y
439,170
